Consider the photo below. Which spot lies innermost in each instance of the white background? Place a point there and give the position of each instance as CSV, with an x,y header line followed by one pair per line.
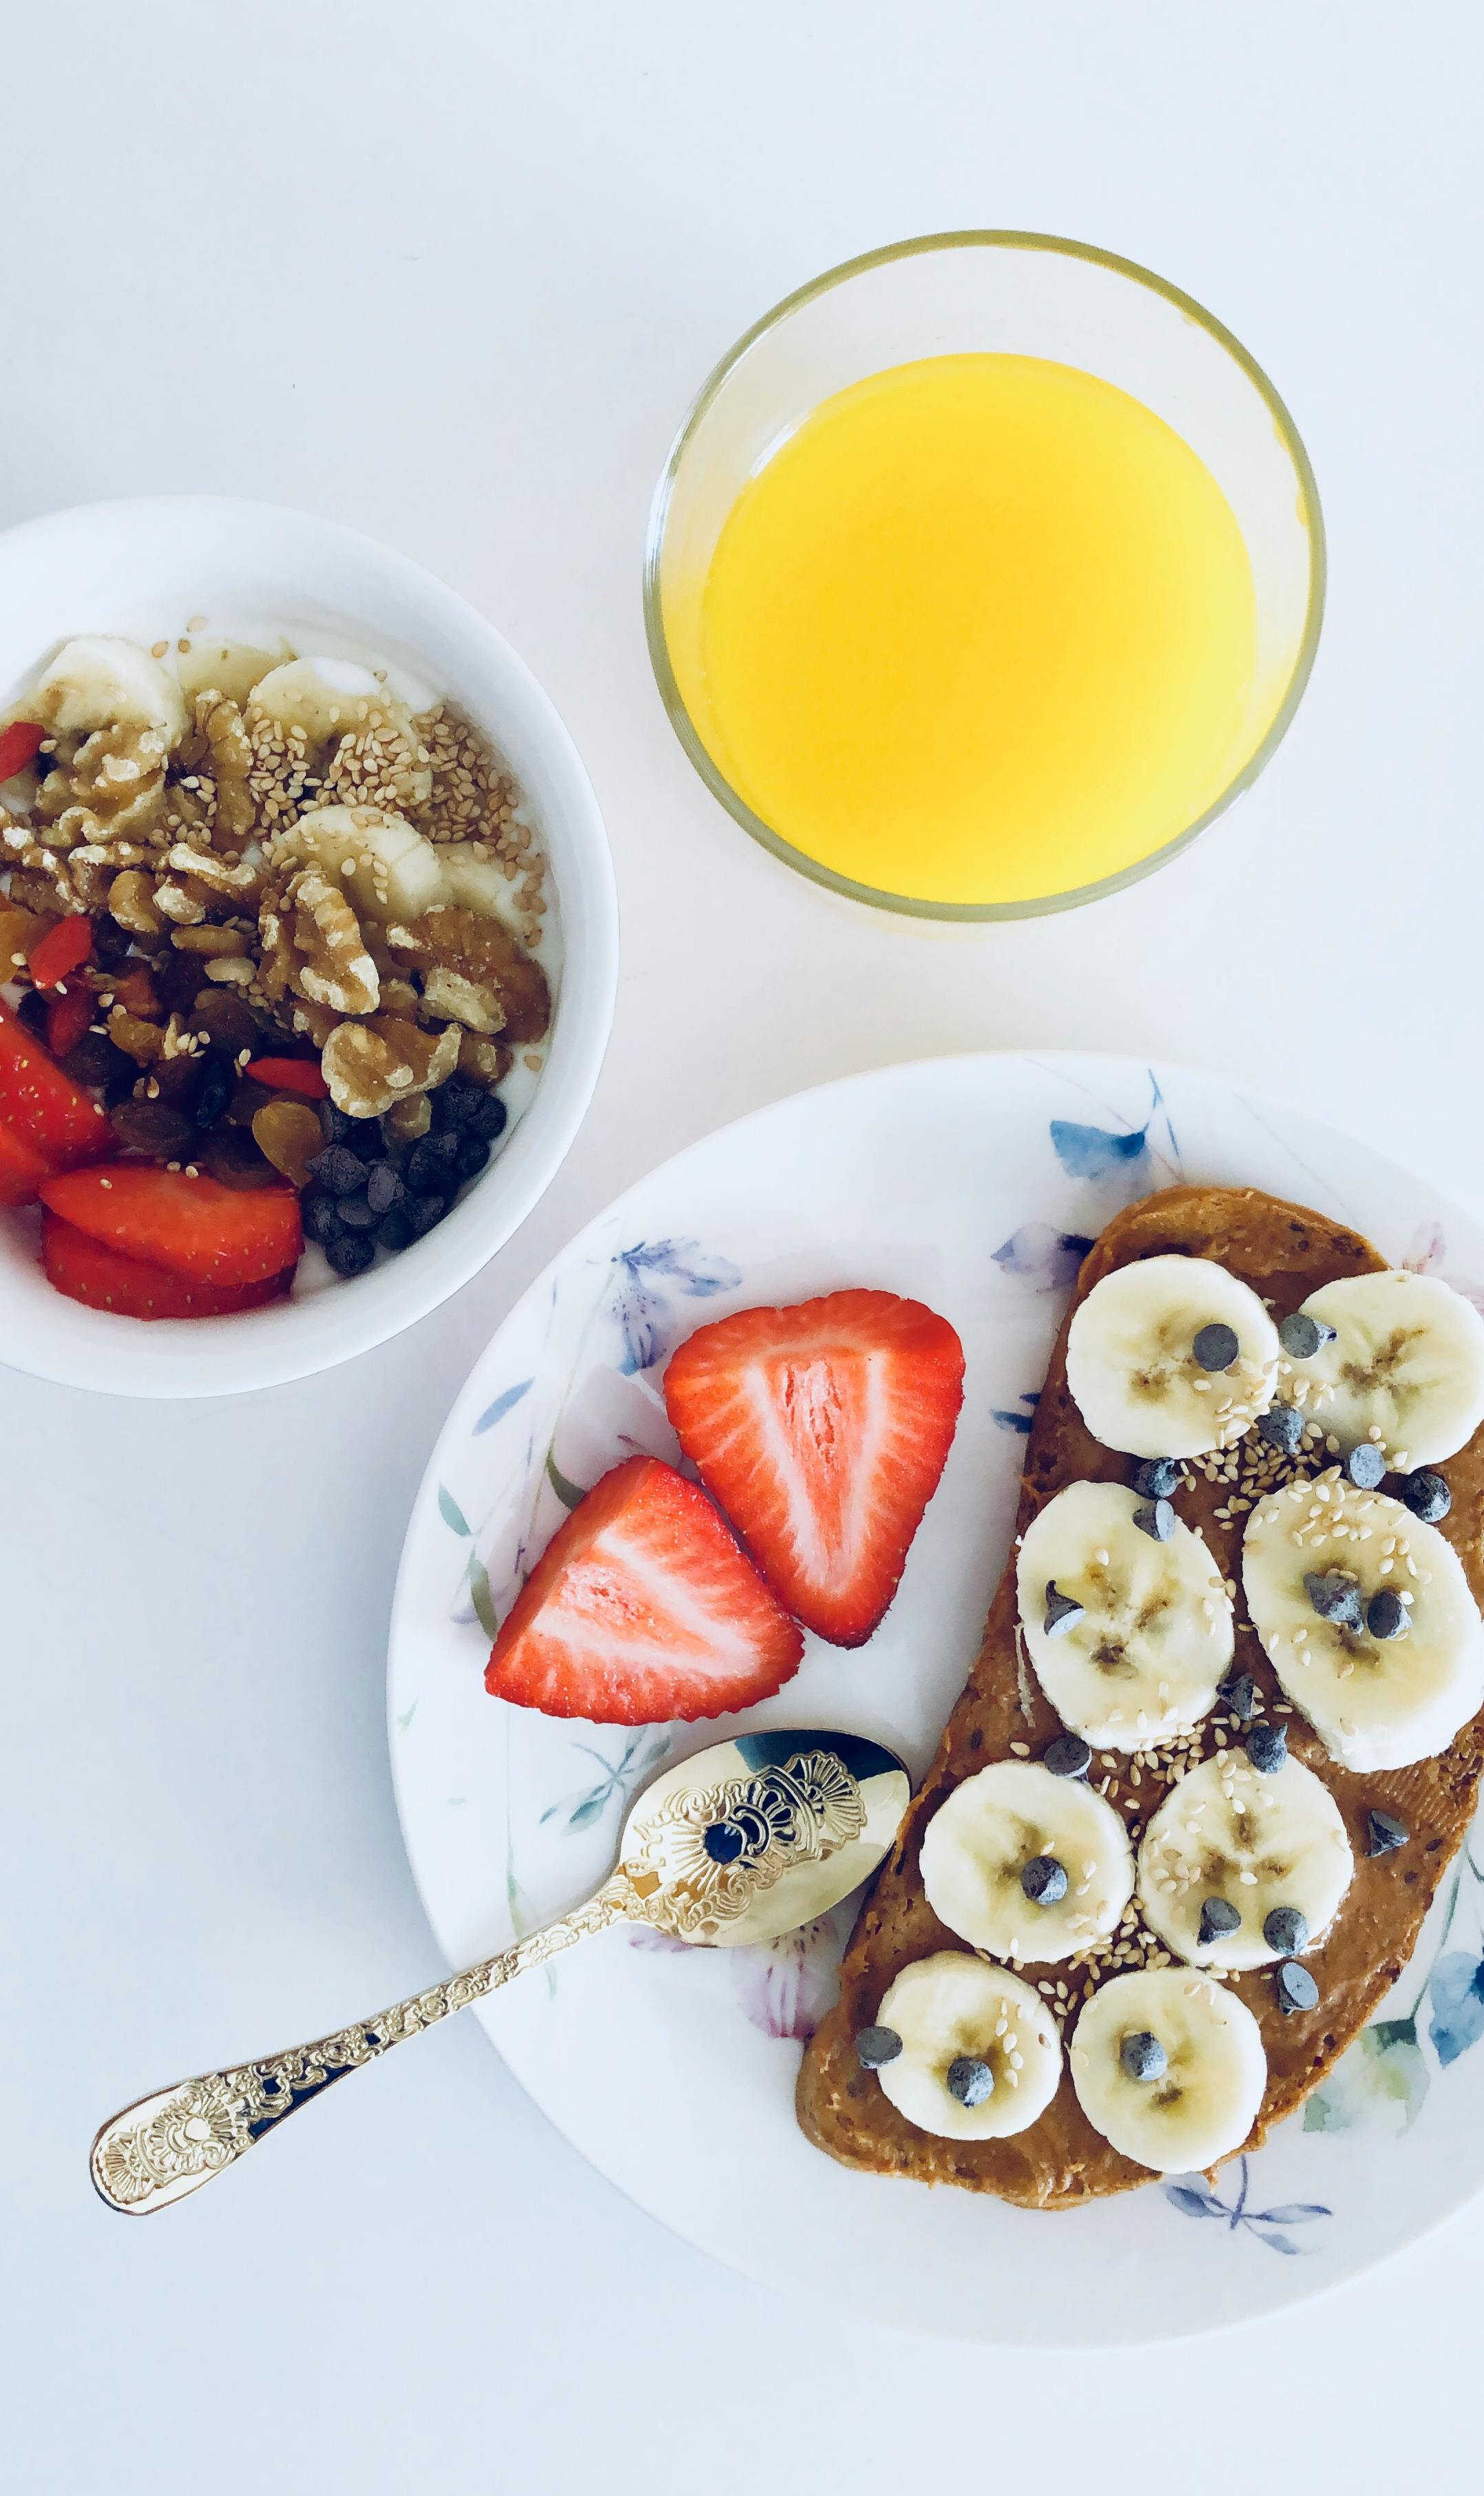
x,y
450,271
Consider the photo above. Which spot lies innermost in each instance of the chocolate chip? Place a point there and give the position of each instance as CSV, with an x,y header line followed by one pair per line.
x,y
397,1232
1281,1426
339,1169
351,1253
487,1117
1043,1880
874,2046
1384,1834
969,2080
1365,1466
1157,1519
1062,1611
1387,1614
1143,2057
356,1211
423,1211
1156,1477
1302,1335
1286,1932
1239,1696
1267,1748
1335,1597
1217,1917
383,1189
1428,1496
321,1220
471,1155
429,1167
1295,1987
1215,1346
1068,1755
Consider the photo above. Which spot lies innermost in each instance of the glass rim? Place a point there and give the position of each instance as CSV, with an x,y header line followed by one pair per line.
x,y
972,238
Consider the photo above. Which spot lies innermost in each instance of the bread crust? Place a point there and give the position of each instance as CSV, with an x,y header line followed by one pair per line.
x,y
1285,1252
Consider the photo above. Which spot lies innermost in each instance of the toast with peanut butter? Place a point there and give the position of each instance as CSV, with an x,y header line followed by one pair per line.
x,y
1285,1254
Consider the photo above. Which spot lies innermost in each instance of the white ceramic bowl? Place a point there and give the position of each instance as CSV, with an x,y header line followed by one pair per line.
x,y
145,567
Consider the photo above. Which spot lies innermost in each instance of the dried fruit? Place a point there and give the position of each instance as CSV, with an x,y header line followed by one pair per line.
x,y
298,1074
64,949
226,1022
230,1156
69,1013
287,1133
153,1126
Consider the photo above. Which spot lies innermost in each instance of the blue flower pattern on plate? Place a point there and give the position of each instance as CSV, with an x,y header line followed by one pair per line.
x,y
1193,2198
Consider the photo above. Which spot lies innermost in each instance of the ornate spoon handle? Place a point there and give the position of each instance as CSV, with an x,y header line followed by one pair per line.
x,y
163,2147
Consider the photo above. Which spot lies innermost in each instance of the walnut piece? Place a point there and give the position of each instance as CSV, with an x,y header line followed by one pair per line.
x,y
456,999
113,784
312,944
370,1066
131,901
481,950
229,760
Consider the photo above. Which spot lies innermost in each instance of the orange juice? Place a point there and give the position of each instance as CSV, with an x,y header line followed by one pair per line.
x,y
982,629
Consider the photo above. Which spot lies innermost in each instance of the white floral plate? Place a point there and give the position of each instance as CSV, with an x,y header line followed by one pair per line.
x,y
972,1183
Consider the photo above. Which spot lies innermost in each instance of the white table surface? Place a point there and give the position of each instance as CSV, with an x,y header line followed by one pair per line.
x,y
450,272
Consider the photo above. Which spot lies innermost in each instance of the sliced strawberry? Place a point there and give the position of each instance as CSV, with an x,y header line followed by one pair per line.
x,y
19,744
21,1170
643,1608
191,1225
822,1430
44,1106
102,1277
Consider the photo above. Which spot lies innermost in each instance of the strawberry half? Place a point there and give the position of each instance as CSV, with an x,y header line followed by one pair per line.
x,y
21,1170
102,1277
196,1226
42,1106
822,1430
643,1608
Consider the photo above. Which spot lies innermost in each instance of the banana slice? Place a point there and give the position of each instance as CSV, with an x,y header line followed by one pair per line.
x,y
952,2010
327,698
1405,1358
393,872
1129,1635
1026,1864
1143,1357
1200,2053
1367,1615
102,682
1229,1842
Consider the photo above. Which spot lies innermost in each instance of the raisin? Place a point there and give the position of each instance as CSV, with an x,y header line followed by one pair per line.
x,y
176,1080
248,1096
287,1134
153,1126
32,1011
111,941
96,1061
226,1021
178,978
216,1088
229,1154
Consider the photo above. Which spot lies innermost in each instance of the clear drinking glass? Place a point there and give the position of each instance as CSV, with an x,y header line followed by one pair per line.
x,y
1022,293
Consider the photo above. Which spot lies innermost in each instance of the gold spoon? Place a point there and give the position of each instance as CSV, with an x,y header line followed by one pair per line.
x,y
741,1843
